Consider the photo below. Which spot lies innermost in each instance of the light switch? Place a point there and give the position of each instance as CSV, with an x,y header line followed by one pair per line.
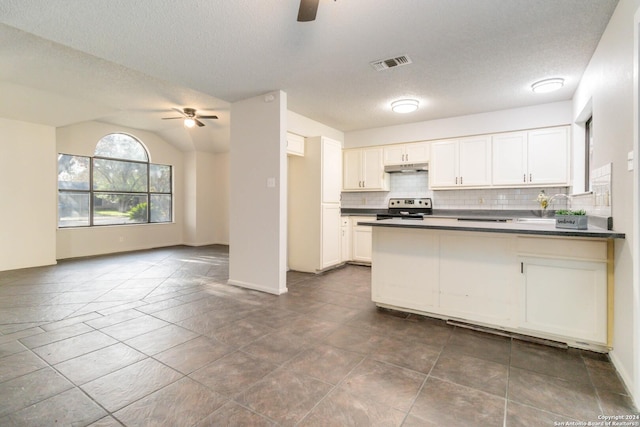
x,y
630,161
271,182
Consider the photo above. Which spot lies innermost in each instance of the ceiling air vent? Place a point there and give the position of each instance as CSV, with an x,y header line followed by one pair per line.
x,y
384,64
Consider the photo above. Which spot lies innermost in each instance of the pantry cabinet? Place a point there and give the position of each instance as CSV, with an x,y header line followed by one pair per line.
x,y
535,157
464,162
314,226
363,170
400,154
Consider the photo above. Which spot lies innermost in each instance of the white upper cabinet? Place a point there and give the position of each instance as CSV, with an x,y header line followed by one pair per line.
x,y
295,144
536,157
510,158
363,170
399,154
464,162
548,156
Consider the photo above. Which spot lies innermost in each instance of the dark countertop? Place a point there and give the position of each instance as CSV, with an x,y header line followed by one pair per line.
x,y
510,227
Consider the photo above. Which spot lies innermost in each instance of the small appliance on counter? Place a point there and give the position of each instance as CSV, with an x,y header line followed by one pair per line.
x,y
407,209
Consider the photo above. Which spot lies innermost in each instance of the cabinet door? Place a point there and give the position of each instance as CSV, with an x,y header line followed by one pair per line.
x,y
406,274
331,178
509,158
478,278
360,240
394,155
373,169
443,171
351,179
345,239
295,144
564,297
548,156
475,161
417,152
331,235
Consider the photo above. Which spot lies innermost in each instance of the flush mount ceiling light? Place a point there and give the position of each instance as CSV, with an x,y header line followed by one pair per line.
x,y
547,85
404,106
189,122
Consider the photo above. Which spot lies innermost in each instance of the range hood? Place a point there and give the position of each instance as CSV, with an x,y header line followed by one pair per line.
x,y
407,167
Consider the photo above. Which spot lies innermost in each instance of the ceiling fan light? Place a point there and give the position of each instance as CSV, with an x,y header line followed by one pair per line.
x,y
189,122
547,85
404,106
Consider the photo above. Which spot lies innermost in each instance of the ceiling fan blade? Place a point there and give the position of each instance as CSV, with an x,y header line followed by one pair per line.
x,y
171,118
207,117
179,111
199,123
308,10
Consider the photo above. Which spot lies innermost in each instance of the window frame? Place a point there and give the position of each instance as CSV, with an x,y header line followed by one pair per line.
x,y
91,192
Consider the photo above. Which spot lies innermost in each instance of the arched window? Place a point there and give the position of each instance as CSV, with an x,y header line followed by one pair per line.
x,y
116,186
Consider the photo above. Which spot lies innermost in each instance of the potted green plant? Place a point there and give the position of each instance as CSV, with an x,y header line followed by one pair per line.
x,y
576,220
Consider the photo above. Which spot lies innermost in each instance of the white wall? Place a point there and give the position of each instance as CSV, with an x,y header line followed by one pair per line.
x,y
200,202
258,222
607,86
28,174
81,139
221,197
304,126
544,115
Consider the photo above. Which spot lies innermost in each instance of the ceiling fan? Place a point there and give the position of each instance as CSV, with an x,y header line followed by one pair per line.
x,y
308,10
190,116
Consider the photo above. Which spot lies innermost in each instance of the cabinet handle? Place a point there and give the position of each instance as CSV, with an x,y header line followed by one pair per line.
x,y
522,268
524,177
456,180
530,179
460,180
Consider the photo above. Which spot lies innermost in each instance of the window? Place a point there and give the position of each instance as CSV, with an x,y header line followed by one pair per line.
x,y
116,186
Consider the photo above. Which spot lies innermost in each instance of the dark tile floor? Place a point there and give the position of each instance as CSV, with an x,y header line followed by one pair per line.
x,y
158,338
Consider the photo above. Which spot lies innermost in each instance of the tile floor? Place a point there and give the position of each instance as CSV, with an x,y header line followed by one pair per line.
x,y
157,338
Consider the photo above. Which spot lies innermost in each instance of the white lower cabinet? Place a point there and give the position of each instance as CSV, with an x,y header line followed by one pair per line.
x,y
406,276
478,277
547,287
361,240
564,297
331,239
345,239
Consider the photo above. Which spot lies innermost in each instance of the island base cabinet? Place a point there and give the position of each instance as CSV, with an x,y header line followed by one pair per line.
x,y
404,269
565,298
478,278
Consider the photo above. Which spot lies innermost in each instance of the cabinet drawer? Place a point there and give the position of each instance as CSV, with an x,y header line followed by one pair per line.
x,y
582,249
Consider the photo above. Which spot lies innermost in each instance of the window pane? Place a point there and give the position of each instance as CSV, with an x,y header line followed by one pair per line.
x,y
121,146
159,179
73,172
73,209
160,208
119,208
116,175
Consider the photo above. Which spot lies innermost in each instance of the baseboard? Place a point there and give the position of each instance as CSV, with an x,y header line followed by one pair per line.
x,y
256,287
625,377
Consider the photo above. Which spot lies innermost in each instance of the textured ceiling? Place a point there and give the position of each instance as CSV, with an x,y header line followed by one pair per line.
x,y
128,62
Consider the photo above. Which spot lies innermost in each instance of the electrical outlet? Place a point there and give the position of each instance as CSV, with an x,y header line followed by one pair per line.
x,y
481,201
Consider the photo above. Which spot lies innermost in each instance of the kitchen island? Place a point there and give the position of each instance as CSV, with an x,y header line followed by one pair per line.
x,y
522,278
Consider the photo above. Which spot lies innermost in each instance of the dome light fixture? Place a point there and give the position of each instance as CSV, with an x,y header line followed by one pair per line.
x,y
404,106
189,122
547,85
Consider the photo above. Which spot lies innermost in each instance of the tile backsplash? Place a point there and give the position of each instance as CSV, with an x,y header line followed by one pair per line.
x,y
416,184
